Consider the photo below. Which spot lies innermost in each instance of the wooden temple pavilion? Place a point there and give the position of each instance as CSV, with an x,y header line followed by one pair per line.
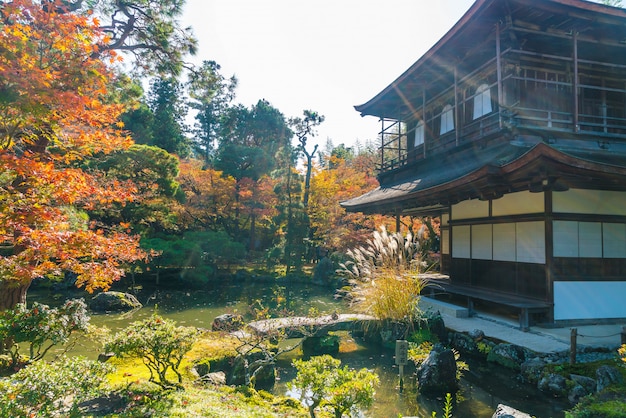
x,y
512,129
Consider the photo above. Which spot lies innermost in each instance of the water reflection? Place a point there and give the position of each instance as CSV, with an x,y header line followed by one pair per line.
x,y
482,389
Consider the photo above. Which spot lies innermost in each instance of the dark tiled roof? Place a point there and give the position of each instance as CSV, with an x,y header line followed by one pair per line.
x,y
469,172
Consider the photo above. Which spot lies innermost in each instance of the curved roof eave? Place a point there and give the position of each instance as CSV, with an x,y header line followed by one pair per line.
x,y
366,108
384,198
424,58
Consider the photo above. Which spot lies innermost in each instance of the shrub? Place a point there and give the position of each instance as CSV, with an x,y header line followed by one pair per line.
x,y
159,343
51,389
384,277
322,382
418,352
41,327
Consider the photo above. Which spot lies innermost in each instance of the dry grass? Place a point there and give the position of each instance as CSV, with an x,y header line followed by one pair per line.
x,y
384,276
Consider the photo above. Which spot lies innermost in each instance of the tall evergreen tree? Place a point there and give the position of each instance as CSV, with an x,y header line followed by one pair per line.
x,y
305,129
211,94
249,143
169,110
250,139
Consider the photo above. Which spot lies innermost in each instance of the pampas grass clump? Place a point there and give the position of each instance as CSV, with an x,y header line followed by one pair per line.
x,y
384,276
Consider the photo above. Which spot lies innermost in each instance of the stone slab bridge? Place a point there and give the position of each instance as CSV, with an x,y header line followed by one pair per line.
x,y
302,326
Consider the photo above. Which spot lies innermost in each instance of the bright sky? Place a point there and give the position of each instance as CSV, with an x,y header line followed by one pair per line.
x,y
323,55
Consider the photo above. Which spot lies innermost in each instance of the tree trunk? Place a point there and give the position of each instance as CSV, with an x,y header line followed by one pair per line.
x,y
12,293
252,245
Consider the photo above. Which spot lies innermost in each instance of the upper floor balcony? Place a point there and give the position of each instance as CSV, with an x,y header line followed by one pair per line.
x,y
552,84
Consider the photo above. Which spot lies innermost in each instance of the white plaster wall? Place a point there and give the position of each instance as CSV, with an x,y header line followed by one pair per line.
x,y
589,239
469,209
482,242
530,242
597,202
589,300
461,241
445,241
565,239
518,204
504,242
614,240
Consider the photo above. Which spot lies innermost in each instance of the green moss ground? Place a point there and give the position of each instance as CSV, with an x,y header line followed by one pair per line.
x,y
133,396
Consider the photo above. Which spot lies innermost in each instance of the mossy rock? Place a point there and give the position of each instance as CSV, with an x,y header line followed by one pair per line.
x,y
114,302
510,356
265,378
317,346
465,344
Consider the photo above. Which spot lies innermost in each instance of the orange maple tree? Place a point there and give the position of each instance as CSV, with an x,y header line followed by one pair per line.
x,y
334,228
54,113
209,196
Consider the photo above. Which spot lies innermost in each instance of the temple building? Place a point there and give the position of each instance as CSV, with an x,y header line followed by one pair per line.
x,y
512,129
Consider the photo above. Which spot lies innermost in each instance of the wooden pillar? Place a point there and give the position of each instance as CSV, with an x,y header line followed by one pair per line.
x,y
382,142
499,73
573,348
575,84
549,255
456,107
426,130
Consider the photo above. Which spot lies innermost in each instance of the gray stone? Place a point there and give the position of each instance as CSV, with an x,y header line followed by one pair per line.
x,y
531,369
464,343
104,357
606,376
510,356
228,323
215,378
553,384
477,334
438,328
587,383
437,374
576,394
265,371
504,411
114,302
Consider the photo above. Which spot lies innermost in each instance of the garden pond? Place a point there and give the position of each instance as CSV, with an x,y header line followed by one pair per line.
x,y
483,387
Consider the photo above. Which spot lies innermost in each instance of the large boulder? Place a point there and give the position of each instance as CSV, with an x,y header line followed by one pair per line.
x,y
587,383
606,376
114,302
504,411
510,356
464,344
437,374
576,393
553,384
532,369
438,328
265,372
